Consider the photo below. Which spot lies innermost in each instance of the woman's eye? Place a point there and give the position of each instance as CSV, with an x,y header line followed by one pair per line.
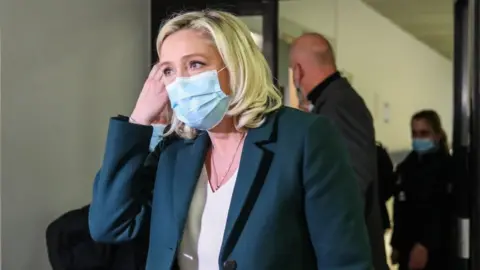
x,y
196,64
167,72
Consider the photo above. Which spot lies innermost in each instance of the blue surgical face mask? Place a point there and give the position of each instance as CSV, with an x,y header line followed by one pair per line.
x,y
423,145
198,101
157,136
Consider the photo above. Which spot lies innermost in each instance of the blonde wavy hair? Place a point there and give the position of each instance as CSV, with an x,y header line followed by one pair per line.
x,y
254,95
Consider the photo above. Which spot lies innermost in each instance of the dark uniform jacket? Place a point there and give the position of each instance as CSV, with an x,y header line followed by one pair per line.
x,y
422,206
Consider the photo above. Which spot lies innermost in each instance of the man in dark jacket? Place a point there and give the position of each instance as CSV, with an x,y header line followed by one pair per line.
x,y
315,74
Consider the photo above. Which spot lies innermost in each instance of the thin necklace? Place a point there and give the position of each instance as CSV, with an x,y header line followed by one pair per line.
x,y
219,183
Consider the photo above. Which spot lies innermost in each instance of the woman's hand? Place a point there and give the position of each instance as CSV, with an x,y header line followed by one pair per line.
x,y
418,257
152,100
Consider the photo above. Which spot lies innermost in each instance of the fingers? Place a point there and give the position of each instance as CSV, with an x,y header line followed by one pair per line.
x,y
158,75
153,71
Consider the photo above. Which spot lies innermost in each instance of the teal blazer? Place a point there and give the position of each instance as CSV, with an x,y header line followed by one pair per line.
x,y
296,204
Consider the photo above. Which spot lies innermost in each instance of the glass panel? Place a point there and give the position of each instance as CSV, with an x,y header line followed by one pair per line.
x,y
286,34
255,24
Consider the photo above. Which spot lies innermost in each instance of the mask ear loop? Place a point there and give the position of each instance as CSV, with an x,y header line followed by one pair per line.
x,y
221,69
224,67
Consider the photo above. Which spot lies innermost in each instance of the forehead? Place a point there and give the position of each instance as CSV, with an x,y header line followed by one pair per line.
x,y
298,54
292,55
186,42
420,124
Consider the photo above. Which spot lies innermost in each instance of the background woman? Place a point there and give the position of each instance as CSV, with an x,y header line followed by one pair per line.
x,y
422,198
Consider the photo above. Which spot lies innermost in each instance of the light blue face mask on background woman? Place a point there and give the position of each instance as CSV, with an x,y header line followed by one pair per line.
x,y
422,146
198,101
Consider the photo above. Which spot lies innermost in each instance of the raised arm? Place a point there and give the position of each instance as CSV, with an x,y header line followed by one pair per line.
x,y
333,204
123,186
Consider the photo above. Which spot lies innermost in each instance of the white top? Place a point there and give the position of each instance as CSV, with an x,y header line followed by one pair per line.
x,y
207,217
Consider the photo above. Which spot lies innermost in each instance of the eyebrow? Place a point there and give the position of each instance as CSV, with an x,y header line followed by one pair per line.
x,y
183,57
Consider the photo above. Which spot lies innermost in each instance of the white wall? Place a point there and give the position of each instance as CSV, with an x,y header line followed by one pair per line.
x,y
390,66
0,146
387,64
66,67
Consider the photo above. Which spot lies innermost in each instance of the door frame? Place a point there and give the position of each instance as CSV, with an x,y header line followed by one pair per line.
x,y
474,54
461,135
466,133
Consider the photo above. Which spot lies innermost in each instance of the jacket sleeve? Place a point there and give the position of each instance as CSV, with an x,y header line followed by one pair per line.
x,y
398,228
123,187
333,204
386,175
399,231
69,244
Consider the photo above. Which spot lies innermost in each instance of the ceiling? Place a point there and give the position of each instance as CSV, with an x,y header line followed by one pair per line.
x,y
431,21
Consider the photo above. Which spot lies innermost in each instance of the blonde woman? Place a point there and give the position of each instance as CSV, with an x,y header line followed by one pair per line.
x,y
241,182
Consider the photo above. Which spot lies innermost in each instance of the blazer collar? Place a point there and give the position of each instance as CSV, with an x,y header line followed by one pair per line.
x,y
254,164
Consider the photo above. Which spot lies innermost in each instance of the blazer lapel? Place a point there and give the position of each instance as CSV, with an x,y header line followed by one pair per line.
x,y
189,164
254,165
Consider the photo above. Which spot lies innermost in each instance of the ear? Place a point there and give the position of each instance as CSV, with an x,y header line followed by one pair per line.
x,y
297,73
299,70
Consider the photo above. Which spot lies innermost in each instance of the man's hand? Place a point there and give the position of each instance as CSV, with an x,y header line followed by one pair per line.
x,y
418,257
